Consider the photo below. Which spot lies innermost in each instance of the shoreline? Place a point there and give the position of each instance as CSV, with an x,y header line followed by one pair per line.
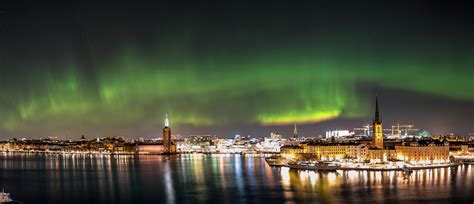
x,y
126,153
186,153
398,168
385,169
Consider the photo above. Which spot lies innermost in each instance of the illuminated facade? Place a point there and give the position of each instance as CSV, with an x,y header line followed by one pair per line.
x,y
377,137
291,149
338,133
150,148
457,148
381,155
377,153
169,146
275,136
422,152
336,151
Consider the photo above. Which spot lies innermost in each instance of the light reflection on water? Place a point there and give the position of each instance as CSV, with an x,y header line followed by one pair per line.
x,y
224,178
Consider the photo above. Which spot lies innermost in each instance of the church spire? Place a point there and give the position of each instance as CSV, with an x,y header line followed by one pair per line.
x,y
377,136
295,132
377,115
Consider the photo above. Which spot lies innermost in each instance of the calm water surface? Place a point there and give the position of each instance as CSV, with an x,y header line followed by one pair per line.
x,y
219,179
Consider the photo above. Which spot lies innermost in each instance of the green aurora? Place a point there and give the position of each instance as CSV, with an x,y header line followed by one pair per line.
x,y
267,90
231,77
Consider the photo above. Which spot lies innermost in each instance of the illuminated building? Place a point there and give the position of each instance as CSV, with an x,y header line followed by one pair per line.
x,y
377,137
457,147
150,148
200,140
423,152
169,146
275,136
338,133
269,145
380,155
377,153
291,150
336,151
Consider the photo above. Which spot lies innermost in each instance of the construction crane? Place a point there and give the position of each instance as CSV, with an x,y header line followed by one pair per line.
x,y
397,129
368,129
365,128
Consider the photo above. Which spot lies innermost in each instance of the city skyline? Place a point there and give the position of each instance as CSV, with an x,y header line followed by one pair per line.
x,y
239,101
99,70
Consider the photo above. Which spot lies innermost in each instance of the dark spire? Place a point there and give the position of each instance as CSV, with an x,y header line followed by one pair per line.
x,y
295,132
377,117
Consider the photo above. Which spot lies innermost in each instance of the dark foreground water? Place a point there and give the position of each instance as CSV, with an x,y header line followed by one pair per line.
x,y
217,178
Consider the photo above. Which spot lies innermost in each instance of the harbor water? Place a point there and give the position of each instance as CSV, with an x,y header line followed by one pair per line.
x,y
221,178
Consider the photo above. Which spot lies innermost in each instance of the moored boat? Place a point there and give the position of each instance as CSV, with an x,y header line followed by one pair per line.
x,y
276,161
407,169
318,166
5,197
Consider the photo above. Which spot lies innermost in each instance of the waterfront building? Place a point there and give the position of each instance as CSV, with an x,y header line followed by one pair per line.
x,y
336,151
169,146
291,150
377,136
457,147
470,148
381,155
423,152
269,145
150,148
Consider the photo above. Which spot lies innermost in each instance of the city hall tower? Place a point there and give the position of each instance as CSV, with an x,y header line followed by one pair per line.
x,y
167,144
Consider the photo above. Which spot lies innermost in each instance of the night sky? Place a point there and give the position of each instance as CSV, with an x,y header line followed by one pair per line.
x,y
237,67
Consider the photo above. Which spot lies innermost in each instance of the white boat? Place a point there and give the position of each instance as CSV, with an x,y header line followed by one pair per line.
x,y
5,197
319,166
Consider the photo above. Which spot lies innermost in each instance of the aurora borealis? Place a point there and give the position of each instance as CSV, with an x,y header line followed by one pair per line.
x,y
116,69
